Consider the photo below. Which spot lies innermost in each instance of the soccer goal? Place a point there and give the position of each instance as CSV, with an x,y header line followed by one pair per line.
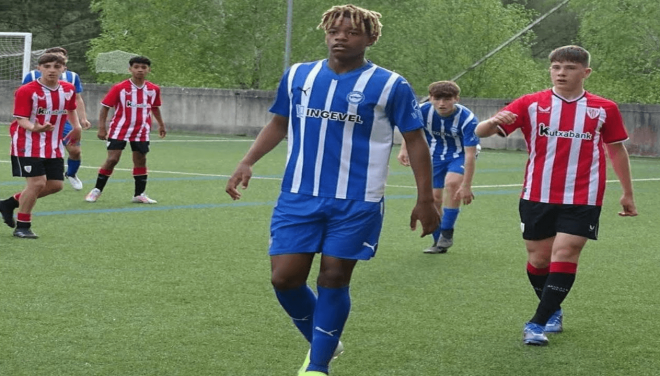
x,y
113,61
15,57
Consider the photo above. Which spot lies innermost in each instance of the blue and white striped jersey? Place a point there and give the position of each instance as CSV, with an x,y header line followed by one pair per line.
x,y
67,75
341,128
448,136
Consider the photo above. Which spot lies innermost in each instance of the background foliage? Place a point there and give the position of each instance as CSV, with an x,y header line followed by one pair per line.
x,y
625,35
67,23
239,44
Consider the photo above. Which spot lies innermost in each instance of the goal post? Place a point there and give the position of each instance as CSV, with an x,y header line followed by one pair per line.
x,y
15,55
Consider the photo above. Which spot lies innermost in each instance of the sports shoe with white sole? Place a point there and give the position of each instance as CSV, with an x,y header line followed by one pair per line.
x,y
555,323
445,242
93,195
25,233
143,199
434,249
303,369
533,335
75,182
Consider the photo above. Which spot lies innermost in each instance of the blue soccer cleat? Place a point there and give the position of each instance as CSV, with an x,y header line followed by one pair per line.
x,y
533,335
556,322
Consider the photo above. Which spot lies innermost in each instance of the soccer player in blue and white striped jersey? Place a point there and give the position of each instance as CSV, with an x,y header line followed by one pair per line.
x,y
72,148
454,148
339,116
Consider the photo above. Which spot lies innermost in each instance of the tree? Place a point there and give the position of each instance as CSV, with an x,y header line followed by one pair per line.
x,y
443,38
239,44
623,37
66,23
558,29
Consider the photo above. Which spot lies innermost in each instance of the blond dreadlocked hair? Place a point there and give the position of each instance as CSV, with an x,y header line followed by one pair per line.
x,y
367,20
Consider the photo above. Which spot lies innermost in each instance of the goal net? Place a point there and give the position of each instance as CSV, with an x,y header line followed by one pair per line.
x,y
15,57
113,62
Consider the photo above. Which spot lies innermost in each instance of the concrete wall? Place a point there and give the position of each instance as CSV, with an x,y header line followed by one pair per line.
x,y
245,112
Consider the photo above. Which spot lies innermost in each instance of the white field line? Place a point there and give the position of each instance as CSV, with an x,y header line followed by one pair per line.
x,y
271,178
156,139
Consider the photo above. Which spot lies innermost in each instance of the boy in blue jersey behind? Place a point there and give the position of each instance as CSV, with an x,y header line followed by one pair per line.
x,y
339,116
72,148
454,148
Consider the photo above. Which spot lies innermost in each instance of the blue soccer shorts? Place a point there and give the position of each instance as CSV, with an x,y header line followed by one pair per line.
x,y
345,229
441,168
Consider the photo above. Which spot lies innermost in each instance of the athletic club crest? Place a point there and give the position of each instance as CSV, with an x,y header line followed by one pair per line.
x,y
593,112
27,169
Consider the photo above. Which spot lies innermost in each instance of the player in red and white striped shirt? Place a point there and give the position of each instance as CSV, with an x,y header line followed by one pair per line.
x,y
41,109
134,101
567,131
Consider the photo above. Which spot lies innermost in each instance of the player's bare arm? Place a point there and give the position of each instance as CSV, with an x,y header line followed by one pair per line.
x,y
420,161
621,166
269,137
488,127
403,154
76,133
102,133
34,127
82,113
464,192
161,124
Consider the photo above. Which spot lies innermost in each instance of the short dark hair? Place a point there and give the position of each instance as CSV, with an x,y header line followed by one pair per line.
x,y
444,89
51,57
57,50
573,54
139,60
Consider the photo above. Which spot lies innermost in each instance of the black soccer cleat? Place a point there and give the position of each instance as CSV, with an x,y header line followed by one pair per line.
x,y
7,214
25,233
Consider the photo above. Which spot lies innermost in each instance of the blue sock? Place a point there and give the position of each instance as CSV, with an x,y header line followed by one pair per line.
x,y
72,167
449,216
299,303
436,234
330,316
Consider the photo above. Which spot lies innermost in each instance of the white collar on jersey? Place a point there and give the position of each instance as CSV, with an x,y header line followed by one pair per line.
x,y
139,87
48,87
569,100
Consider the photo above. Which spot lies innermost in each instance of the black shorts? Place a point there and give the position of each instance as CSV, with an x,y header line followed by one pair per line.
x,y
141,146
540,221
29,167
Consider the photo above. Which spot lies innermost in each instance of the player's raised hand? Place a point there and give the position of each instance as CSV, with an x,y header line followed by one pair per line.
x,y
504,117
628,205
45,127
427,215
241,176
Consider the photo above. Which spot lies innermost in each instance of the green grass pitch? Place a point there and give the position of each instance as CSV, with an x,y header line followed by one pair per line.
x,y
183,288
